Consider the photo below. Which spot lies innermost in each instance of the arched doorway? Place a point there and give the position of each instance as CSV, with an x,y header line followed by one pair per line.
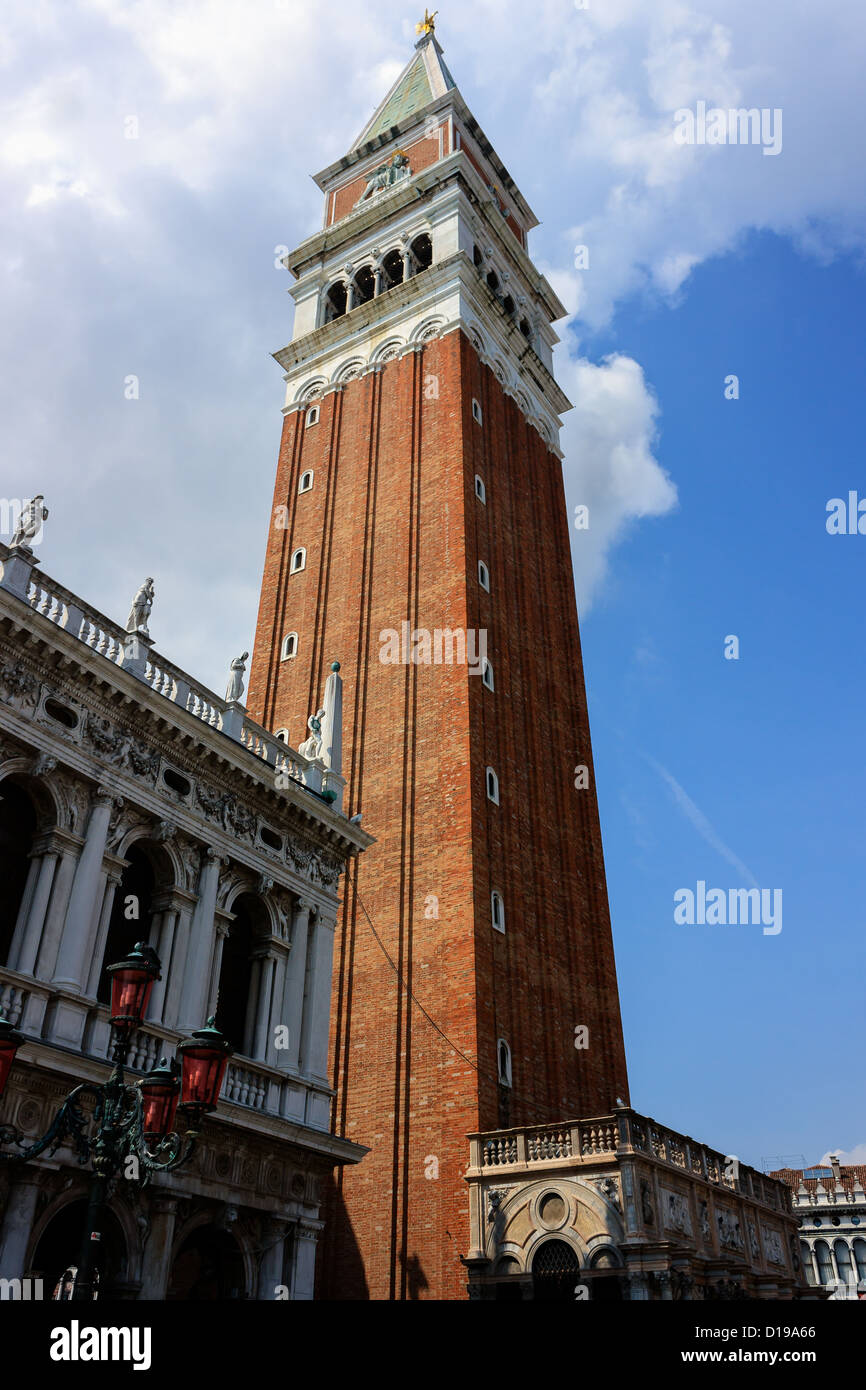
x,y
17,829
555,1268
208,1266
59,1248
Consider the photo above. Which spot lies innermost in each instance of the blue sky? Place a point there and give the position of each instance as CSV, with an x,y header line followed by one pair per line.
x,y
155,256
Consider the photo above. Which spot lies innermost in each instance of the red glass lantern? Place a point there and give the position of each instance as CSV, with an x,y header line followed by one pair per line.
x,y
160,1091
10,1041
131,983
204,1058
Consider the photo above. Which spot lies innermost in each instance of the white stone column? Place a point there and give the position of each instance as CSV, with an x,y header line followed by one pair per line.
x,y
28,929
202,939
17,1224
175,969
112,879
304,1260
164,905
157,1252
272,1259
274,1055
293,993
317,1005
263,997
222,920
73,960
55,916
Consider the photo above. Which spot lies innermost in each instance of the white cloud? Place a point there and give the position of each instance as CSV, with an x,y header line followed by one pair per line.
x,y
847,1157
610,468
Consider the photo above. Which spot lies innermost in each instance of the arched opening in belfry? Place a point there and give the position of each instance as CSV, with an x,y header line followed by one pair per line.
x,y
493,280
131,912
508,304
365,285
477,258
18,823
525,329
335,301
392,270
422,251
237,998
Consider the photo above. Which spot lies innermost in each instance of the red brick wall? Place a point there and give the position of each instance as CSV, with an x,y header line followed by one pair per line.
x,y
393,532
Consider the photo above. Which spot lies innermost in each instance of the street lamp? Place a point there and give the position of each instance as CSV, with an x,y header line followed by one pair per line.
x,y
130,1126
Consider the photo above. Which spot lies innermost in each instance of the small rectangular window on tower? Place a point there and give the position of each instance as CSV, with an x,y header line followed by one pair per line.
x,y
476,412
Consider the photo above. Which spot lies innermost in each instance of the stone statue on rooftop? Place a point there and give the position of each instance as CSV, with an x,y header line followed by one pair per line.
x,y
140,610
33,513
235,687
312,747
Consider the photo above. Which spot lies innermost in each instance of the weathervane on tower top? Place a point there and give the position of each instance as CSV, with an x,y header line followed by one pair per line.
x,y
428,23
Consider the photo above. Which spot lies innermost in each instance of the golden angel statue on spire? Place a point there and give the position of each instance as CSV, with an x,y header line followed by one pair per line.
x,y
428,23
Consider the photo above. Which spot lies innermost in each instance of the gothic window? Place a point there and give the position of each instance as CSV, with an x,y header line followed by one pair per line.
x,y
312,417
492,786
483,576
131,914
306,482
299,560
843,1261
503,1062
487,673
808,1265
480,489
825,1264
422,252
476,411
365,285
335,301
17,828
497,911
289,647
392,270
238,999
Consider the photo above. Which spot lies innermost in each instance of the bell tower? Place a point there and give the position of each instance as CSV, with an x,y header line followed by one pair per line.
x,y
419,534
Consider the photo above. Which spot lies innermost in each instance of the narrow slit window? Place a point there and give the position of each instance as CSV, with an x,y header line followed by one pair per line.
x,y
299,560
306,482
480,489
312,416
289,646
497,912
487,674
503,1052
483,576
492,786
476,412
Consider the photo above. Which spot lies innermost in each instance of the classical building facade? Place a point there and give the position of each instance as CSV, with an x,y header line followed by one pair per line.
x,y
830,1206
621,1208
136,804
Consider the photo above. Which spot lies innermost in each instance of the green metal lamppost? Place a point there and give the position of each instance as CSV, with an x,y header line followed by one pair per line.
x,y
128,1120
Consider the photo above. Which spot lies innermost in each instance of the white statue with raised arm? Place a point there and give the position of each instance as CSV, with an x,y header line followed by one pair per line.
x,y
33,513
